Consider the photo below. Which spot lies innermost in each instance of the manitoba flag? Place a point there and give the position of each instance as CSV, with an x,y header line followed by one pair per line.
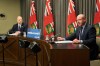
x,y
32,21
97,18
48,24
71,23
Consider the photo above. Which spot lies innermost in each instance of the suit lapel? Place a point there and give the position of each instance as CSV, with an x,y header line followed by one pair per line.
x,y
84,31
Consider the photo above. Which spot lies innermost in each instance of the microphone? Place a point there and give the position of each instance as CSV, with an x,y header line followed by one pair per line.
x,y
23,43
52,37
34,47
3,39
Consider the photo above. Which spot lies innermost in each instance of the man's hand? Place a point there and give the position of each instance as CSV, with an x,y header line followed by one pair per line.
x,y
76,41
60,38
17,33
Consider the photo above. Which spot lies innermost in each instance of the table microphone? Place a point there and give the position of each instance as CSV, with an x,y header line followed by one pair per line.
x,y
54,36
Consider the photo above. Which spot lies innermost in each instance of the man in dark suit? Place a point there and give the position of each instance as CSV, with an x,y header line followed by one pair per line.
x,y
85,34
19,28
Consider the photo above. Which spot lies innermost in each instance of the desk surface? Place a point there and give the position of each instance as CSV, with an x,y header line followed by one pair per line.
x,y
68,46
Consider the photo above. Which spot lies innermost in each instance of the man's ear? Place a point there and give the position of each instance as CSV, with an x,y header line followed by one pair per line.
x,y
84,20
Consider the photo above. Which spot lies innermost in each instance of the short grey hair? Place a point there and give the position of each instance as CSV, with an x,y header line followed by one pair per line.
x,y
81,15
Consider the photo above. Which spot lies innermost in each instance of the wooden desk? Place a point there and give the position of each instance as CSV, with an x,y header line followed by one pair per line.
x,y
14,55
69,55
50,55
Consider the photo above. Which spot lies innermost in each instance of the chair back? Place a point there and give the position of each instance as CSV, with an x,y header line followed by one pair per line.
x,y
98,42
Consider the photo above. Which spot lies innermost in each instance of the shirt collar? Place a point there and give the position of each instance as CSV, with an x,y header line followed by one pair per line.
x,y
84,25
19,25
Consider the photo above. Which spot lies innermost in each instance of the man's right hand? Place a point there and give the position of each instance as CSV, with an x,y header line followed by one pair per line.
x,y
17,33
60,38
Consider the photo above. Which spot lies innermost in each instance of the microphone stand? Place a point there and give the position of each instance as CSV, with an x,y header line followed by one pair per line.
x,y
3,39
24,44
36,59
35,49
25,55
3,55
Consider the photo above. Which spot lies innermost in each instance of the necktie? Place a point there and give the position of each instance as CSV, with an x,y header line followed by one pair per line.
x,y
19,27
80,34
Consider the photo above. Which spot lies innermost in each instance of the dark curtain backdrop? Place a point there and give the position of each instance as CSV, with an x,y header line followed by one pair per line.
x,y
59,9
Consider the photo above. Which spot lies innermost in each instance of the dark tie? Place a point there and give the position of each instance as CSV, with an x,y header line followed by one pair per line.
x,y
80,34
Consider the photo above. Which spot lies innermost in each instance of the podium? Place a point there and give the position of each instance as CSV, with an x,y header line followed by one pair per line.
x,y
15,56
50,54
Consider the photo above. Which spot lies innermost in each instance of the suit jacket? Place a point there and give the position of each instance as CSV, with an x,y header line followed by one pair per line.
x,y
15,28
88,37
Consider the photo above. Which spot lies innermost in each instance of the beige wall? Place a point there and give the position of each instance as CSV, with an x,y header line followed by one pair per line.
x,y
11,8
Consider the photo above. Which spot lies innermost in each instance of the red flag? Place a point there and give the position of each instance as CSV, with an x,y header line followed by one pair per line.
x,y
97,18
71,23
48,24
33,21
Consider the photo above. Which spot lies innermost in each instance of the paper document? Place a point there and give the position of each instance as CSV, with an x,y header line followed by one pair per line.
x,y
12,34
63,41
